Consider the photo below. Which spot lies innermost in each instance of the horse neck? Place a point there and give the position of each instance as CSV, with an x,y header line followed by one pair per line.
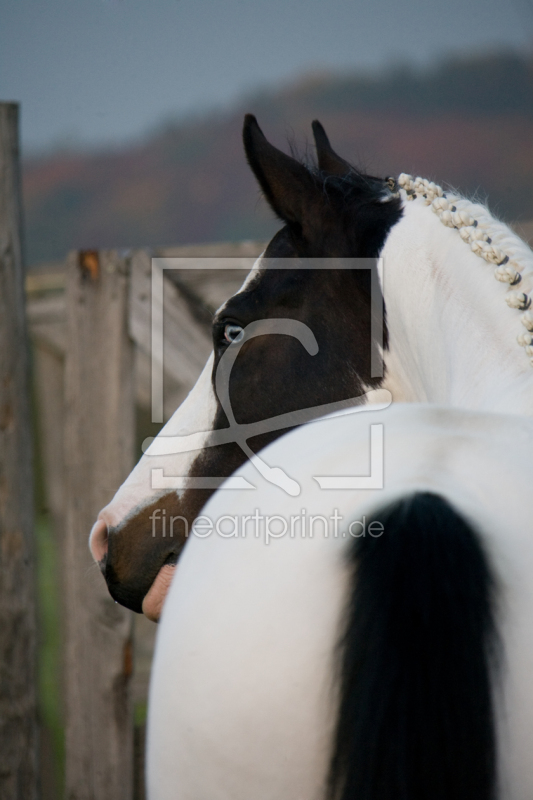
x,y
452,336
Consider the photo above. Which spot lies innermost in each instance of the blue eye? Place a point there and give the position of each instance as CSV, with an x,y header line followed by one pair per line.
x,y
233,333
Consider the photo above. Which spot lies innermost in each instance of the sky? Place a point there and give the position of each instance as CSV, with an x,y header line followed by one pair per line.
x,y
93,73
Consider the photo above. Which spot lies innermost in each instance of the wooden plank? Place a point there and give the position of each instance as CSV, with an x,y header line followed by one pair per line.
x,y
18,713
48,278
187,343
175,391
249,248
48,381
211,285
99,446
46,318
49,376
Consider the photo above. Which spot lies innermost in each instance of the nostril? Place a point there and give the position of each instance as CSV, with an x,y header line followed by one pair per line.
x,y
98,540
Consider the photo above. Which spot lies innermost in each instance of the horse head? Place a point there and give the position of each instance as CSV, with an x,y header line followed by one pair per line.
x,y
305,337
309,338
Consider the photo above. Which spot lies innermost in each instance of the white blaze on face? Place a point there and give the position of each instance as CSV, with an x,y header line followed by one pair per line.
x,y
195,415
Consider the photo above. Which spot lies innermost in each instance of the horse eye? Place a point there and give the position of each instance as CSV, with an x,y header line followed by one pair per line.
x,y
233,333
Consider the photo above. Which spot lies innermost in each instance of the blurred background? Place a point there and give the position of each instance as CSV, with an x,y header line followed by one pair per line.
x,y
131,136
132,110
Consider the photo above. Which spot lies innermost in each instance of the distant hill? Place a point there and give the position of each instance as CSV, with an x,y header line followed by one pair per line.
x,y
466,122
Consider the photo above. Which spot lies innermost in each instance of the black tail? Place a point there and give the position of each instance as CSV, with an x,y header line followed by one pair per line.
x,y
416,717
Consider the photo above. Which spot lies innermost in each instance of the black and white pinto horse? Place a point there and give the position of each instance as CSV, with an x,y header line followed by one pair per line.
x,y
363,644
343,665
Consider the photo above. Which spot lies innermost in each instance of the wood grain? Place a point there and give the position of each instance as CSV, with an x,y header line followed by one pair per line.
x,y
18,716
99,447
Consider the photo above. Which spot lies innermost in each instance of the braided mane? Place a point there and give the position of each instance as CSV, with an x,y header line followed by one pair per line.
x,y
488,238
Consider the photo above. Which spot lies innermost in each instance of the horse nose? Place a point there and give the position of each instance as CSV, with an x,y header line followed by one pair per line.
x,y
98,540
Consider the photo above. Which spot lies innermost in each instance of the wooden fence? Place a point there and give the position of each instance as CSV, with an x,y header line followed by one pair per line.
x,y
90,325
18,709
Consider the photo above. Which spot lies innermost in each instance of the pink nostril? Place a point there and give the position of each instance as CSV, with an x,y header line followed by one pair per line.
x,y
98,540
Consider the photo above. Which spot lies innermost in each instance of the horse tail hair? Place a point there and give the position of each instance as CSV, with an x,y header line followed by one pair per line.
x,y
416,660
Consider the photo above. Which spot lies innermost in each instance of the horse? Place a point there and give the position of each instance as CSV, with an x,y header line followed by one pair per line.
x,y
357,644
448,336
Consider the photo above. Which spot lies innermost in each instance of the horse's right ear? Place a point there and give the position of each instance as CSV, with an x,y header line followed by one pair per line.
x,y
288,186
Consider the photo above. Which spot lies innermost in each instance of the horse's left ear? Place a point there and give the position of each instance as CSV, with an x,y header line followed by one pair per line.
x,y
288,186
328,160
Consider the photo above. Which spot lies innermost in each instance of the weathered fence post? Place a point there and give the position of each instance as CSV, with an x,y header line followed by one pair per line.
x,y
99,451
18,715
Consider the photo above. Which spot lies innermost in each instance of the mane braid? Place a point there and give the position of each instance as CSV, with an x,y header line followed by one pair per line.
x,y
488,238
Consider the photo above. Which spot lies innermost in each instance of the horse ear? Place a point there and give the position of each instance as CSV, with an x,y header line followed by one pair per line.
x,y
287,185
328,160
